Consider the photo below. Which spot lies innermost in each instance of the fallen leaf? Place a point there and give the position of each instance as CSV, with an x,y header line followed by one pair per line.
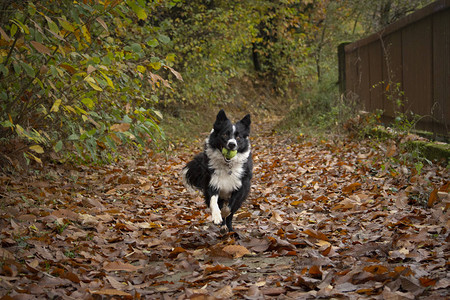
x,y
5,254
119,266
433,198
257,245
254,293
349,189
236,250
111,292
176,251
427,282
115,283
224,293
376,269
274,291
316,234
315,272
216,269
443,283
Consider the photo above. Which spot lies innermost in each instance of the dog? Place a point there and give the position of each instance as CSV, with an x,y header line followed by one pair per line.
x,y
223,171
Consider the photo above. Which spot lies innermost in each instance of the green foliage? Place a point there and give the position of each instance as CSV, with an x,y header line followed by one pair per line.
x,y
216,41
78,77
374,15
321,109
84,78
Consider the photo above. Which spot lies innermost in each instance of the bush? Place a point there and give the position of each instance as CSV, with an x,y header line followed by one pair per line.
x,y
80,78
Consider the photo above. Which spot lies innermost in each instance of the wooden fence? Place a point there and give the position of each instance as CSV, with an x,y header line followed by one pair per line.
x,y
409,61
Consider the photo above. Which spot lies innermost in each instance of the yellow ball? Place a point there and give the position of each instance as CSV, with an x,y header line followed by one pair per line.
x,y
228,154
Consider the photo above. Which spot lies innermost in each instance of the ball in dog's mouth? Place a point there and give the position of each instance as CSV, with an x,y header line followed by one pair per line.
x,y
228,154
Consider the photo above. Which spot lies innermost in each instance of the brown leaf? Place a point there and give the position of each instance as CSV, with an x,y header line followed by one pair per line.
x,y
115,283
71,276
315,272
345,204
111,292
397,295
236,250
433,198
101,22
376,269
254,292
88,220
68,68
445,187
367,291
405,271
349,189
346,287
243,215
176,251
443,283
122,127
391,151
276,217
40,48
274,291
297,202
306,282
426,282
177,74
90,69
4,35
326,251
66,214
316,234
411,284
216,269
258,245
224,293
278,244
92,202
119,266
5,254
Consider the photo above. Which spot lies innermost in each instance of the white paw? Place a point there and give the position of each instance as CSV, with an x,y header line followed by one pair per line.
x,y
216,217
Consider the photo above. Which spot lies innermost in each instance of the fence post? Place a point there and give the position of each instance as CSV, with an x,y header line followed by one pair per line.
x,y
341,64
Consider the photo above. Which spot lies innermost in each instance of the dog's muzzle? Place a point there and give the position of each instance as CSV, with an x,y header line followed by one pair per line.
x,y
231,144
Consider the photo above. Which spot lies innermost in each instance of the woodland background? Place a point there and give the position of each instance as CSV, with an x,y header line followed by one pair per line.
x,y
102,103
81,79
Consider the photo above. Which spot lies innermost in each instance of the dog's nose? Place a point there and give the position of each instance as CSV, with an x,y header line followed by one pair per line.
x,y
231,144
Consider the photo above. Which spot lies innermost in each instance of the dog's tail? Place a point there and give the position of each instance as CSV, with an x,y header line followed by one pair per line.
x,y
184,177
195,174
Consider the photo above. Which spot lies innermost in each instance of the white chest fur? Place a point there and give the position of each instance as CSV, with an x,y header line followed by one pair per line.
x,y
227,175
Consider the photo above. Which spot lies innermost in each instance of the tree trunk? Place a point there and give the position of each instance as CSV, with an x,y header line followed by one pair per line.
x,y
255,58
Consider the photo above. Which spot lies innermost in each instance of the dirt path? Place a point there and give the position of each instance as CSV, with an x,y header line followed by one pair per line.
x,y
325,219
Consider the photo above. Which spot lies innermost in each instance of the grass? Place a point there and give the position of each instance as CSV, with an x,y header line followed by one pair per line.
x,y
186,125
318,111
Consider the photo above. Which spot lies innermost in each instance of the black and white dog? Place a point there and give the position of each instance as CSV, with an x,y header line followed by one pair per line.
x,y
224,169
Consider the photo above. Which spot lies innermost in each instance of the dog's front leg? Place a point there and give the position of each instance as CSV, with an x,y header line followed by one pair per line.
x,y
215,210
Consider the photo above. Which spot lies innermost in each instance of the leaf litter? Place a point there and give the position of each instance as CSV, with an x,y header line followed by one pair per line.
x,y
324,220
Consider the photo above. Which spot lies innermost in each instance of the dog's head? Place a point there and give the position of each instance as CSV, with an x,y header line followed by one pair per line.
x,y
230,138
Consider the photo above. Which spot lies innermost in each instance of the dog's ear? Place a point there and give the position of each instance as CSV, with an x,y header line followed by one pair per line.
x,y
221,116
246,120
